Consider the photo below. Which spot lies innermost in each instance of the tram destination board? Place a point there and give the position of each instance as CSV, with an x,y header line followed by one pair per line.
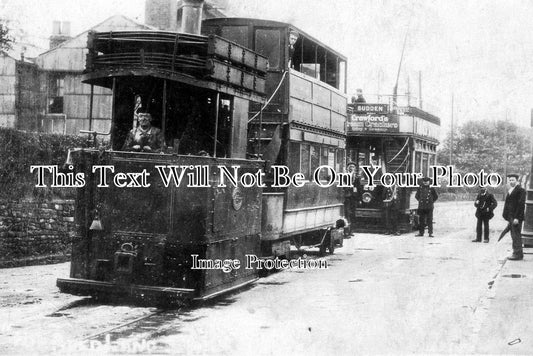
x,y
363,108
372,123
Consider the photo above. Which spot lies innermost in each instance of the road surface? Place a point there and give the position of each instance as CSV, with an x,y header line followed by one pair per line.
x,y
379,294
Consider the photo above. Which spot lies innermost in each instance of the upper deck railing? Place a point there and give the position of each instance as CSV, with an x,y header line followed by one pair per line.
x,y
202,57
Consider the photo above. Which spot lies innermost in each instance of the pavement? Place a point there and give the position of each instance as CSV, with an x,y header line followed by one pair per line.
x,y
507,313
380,295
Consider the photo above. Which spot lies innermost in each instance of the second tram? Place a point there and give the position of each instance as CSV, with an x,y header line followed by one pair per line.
x,y
394,140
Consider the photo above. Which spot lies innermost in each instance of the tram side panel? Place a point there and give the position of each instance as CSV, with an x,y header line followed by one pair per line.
x,y
316,118
150,235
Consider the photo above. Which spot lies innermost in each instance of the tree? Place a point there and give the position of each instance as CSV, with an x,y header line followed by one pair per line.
x,y
6,40
481,145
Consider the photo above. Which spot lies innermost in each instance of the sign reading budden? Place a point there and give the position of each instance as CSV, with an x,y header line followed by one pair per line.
x,y
199,177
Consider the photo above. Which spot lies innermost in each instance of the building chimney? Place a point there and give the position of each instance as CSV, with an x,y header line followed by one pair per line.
x,y
162,14
56,28
191,18
60,33
65,28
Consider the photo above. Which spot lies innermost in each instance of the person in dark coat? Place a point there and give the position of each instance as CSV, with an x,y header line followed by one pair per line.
x,y
360,98
144,137
513,213
391,209
426,196
485,204
351,196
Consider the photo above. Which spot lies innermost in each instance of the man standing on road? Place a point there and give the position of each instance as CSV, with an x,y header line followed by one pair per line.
x,y
390,209
426,196
351,195
513,213
485,205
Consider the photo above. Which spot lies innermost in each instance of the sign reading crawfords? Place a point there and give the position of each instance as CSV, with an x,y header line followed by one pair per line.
x,y
373,123
365,117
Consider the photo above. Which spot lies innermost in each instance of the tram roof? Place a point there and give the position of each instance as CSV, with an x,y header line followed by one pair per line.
x,y
270,23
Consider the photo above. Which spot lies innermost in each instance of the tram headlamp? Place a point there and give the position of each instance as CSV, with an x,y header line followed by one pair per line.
x,y
367,197
96,225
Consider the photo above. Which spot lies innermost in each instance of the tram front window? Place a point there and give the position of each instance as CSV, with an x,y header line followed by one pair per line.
x,y
182,120
373,161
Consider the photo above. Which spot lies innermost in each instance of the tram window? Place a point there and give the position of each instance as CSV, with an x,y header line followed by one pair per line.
x,y
418,161
238,34
305,163
294,157
331,158
341,84
133,97
313,60
190,122
340,160
315,158
310,69
268,43
324,153
362,159
425,164
432,160
223,133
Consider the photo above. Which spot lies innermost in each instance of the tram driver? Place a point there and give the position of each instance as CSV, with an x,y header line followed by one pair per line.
x,y
144,137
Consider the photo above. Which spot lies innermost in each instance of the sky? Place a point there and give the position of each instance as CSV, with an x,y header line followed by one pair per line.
x,y
478,51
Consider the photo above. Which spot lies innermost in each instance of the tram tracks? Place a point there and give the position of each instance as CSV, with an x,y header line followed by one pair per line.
x,y
108,327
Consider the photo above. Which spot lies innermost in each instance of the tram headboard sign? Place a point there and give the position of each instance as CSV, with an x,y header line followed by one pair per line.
x,y
363,108
373,123
368,117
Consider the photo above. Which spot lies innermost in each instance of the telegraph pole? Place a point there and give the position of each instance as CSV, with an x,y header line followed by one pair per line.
x,y
420,89
505,145
451,135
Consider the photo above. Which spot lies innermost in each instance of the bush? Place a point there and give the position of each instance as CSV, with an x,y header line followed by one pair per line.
x,y
19,150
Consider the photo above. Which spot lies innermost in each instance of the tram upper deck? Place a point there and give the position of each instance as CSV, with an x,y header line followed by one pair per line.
x,y
305,112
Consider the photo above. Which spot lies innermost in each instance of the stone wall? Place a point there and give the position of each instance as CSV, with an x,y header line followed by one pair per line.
x,y
35,232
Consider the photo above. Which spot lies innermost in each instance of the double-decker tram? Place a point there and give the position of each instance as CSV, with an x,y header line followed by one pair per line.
x,y
306,114
393,140
212,102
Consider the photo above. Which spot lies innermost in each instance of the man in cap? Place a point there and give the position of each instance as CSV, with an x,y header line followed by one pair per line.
x,y
391,209
360,98
513,213
426,196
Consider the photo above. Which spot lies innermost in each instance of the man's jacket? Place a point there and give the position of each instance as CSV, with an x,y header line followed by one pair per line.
x,y
515,204
485,204
426,196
